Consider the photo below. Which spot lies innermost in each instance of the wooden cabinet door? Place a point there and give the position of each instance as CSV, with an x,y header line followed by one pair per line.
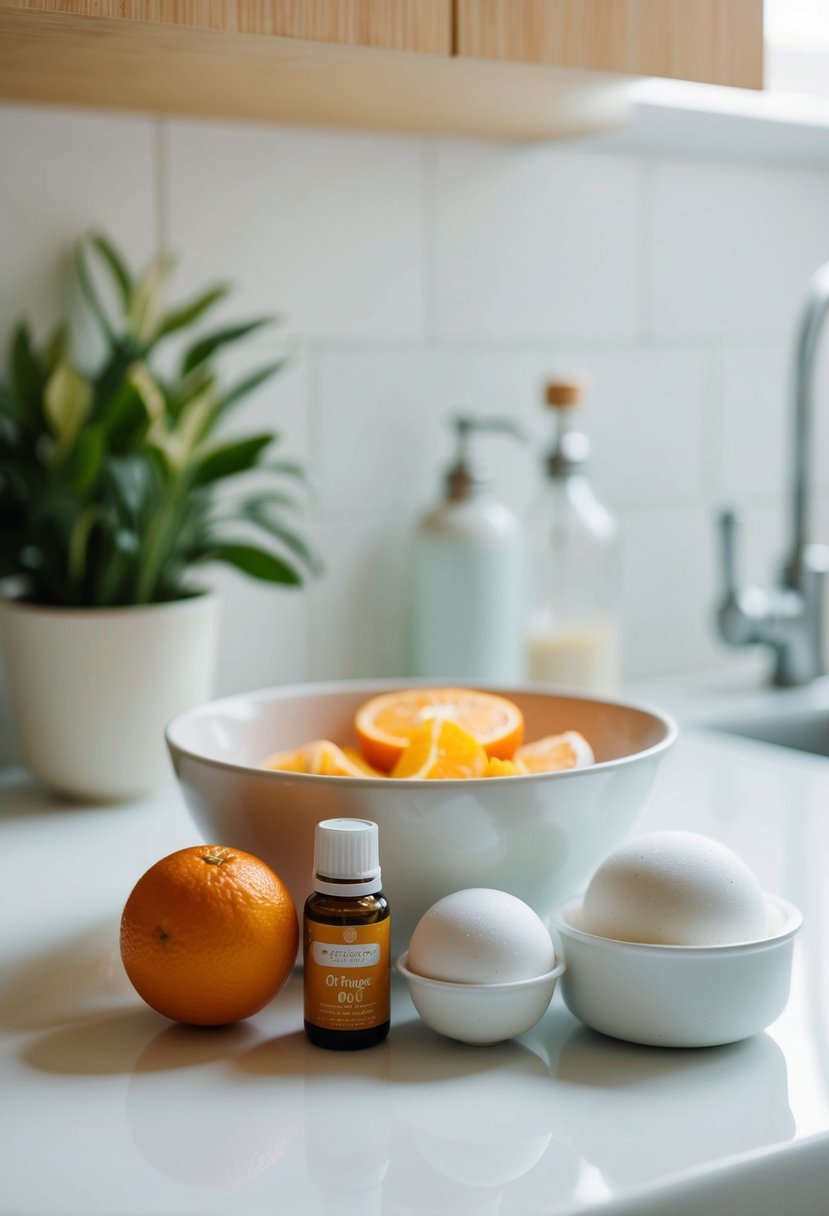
x,y
397,25
714,41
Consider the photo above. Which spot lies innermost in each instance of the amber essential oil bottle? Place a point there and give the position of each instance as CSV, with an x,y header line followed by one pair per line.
x,y
346,939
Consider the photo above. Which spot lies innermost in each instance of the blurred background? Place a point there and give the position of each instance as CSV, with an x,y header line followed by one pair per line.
x,y
420,275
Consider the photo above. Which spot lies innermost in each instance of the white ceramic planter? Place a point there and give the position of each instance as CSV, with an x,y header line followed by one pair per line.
x,y
92,689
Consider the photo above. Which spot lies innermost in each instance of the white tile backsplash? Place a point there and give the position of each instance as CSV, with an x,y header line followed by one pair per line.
x,y
64,175
358,611
669,591
264,632
374,417
422,278
754,422
731,248
324,229
535,242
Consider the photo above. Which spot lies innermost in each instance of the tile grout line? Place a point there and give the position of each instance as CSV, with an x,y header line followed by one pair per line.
x,y
312,438
162,185
714,482
429,263
643,304
540,343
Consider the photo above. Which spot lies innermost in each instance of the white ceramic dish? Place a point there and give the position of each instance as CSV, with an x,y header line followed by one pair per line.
x,y
535,836
678,996
480,1013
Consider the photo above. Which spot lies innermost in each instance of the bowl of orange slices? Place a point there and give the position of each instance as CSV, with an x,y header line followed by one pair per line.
x,y
523,790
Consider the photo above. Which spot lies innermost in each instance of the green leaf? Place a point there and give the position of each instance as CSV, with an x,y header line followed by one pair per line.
x,y
113,260
78,546
287,468
142,380
188,314
18,478
197,418
67,399
116,551
229,458
10,407
91,296
160,545
249,385
292,541
256,511
255,562
266,498
207,346
84,464
56,347
187,387
145,309
134,484
123,418
26,371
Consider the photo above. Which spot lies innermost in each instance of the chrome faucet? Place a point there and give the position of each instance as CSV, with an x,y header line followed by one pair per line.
x,y
789,618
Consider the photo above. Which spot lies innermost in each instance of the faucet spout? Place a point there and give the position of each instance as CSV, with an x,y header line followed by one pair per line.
x,y
808,339
789,619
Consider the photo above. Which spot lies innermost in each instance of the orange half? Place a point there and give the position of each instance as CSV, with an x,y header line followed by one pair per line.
x,y
386,724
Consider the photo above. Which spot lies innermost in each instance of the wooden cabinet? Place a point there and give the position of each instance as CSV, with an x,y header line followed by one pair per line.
x,y
402,25
505,69
714,41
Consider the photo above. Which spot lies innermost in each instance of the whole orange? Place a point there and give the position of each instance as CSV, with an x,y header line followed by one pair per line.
x,y
209,935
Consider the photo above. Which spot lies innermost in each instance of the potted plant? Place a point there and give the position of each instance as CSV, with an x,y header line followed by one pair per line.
x,y
116,485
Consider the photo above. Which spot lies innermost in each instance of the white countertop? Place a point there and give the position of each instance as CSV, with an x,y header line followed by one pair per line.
x,y
106,1107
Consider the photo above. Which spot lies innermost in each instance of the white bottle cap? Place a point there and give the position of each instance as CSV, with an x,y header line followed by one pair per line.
x,y
347,857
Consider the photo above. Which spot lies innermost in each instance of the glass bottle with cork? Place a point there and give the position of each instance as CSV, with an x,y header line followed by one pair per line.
x,y
346,939
571,635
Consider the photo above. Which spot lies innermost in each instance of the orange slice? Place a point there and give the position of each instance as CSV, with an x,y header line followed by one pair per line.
x,y
386,724
441,750
323,758
288,762
502,768
356,760
555,753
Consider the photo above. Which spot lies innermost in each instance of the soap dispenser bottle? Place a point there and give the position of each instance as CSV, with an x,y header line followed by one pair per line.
x,y
571,636
467,570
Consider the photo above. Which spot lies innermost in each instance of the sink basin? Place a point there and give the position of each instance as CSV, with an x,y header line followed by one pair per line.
x,y
738,703
787,717
805,732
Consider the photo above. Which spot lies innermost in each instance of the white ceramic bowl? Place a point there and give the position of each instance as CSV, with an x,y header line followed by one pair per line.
x,y
535,836
480,1013
678,996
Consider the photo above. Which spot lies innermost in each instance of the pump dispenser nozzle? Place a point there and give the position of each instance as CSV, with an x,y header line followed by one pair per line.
x,y
465,477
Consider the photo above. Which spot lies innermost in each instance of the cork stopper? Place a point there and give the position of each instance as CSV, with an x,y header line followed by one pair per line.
x,y
564,393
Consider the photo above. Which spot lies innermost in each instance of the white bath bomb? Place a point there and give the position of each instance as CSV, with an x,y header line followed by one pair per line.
x,y
481,936
678,889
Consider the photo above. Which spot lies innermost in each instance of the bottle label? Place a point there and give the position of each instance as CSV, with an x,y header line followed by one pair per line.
x,y
347,975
